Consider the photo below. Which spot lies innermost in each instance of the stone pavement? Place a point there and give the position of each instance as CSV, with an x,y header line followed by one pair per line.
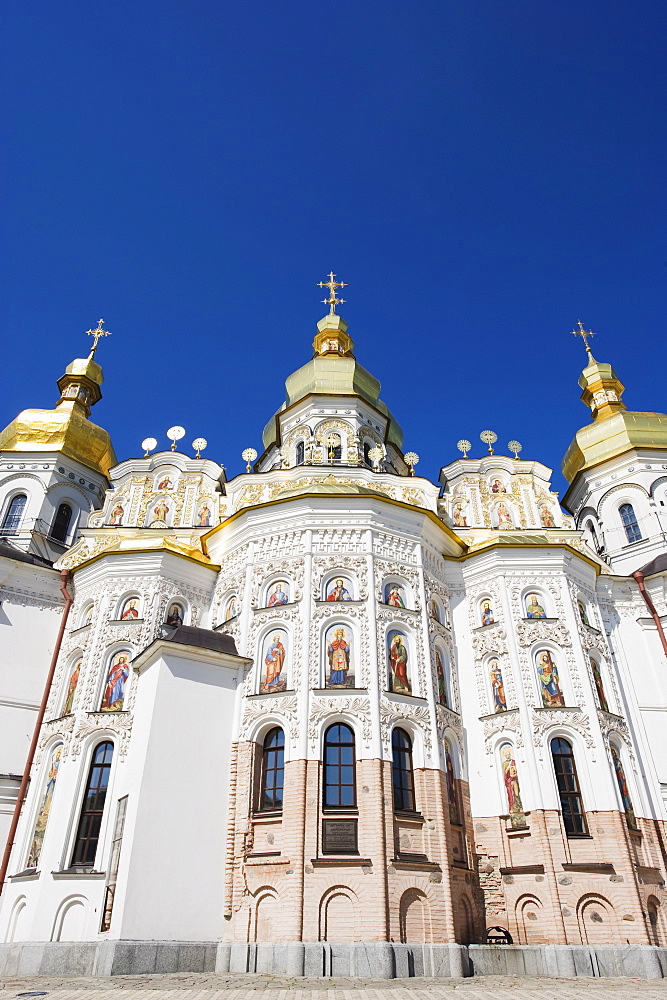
x,y
211,986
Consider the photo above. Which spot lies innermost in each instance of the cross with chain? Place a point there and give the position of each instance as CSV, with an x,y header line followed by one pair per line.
x,y
332,285
584,334
97,333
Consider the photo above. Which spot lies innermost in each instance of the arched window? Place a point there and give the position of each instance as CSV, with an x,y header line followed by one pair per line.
x,y
92,810
571,805
402,777
14,515
61,522
367,454
273,770
334,447
339,766
627,512
300,452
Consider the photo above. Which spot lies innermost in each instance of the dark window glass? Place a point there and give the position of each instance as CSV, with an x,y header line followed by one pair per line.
x,y
629,520
14,514
339,763
568,787
92,810
367,457
273,770
61,522
404,789
300,453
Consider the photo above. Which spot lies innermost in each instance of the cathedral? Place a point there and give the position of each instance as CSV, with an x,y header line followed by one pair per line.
x,y
329,717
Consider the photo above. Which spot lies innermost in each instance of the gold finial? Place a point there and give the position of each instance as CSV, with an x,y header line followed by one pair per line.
x,y
332,285
97,333
584,334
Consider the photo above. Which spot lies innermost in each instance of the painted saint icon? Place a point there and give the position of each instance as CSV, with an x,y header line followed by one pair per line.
x,y
497,486
130,610
89,615
339,590
452,798
597,678
71,688
114,689
434,611
231,610
398,663
459,515
583,613
630,817
204,518
497,685
161,510
546,517
279,594
165,484
440,677
533,607
45,807
275,646
547,671
339,658
394,594
504,516
511,780
117,514
487,613
174,615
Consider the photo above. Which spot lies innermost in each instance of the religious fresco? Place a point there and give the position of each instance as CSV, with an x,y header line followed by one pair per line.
x,y
497,486
44,807
399,670
340,658
274,671
71,688
394,594
278,594
161,510
231,609
459,515
339,589
486,612
630,817
504,516
597,677
511,781
116,516
546,517
434,611
497,685
174,615
114,688
130,609
533,607
440,677
547,672
165,483
452,797
583,614
204,516
88,617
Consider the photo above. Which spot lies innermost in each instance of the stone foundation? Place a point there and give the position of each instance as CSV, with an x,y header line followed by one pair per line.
x,y
364,960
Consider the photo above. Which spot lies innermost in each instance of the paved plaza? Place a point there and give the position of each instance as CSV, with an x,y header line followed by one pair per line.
x,y
209,986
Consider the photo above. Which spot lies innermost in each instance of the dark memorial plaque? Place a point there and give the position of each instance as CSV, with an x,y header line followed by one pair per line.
x,y
339,836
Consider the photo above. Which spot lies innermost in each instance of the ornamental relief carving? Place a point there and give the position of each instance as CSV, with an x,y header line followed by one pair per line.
x,y
340,540
85,549
529,632
285,708
357,565
32,599
395,711
613,724
384,569
393,548
54,727
323,707
117,723
504,722
492,640
547,718
292,569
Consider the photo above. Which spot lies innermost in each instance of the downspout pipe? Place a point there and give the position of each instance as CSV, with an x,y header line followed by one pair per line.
x,y
65,577
639,577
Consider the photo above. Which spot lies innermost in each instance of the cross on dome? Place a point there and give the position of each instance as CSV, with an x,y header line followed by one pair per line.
x,y
97,333
332,285
584,334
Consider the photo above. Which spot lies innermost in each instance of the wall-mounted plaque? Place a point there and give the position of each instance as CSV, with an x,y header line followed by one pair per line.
x,y
339,836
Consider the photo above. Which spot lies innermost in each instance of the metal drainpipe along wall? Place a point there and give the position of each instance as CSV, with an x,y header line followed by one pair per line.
x,y
639,577
65,576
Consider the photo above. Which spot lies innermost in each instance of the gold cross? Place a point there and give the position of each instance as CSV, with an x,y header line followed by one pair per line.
x,y
332,285
97,333
584,334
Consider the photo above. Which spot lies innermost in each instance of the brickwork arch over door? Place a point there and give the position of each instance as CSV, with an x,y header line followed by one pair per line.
x,y
415,918
597,920
339,915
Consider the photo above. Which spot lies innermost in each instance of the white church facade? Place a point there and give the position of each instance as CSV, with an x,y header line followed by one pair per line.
x,y
329,717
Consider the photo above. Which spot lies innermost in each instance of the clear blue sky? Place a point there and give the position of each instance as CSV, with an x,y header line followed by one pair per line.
x,y
483,173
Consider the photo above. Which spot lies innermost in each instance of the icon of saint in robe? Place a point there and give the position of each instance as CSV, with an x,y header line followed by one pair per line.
x,y
497,486
398,663
44,808
393,595
339,591
165,484
231,611
280,594
487,613
114,690
547,671
434,610
161,510
497,685
204,519
504,516
71,688
452,798
511,780
338,655
130,610
174,616
117,514
459,515
440,675
630,817
533,608
546,517
582,613
274,662
597,678
89,615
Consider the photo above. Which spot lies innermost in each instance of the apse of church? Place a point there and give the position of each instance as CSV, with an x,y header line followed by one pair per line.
x,y
394,712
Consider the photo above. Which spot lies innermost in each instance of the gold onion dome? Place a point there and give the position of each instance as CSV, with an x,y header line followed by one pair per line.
x,y
615,430
66,428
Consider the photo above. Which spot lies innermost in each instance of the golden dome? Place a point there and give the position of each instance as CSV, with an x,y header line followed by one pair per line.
x,y
66,428
614,430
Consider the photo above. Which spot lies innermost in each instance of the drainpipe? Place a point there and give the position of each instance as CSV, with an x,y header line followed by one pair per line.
x,y
65,577
639,577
